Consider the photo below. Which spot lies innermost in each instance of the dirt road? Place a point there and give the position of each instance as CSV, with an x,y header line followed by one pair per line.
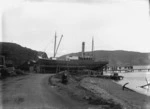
x,y
34,92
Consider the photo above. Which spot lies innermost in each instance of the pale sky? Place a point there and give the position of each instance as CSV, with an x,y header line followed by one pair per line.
x,y
114,24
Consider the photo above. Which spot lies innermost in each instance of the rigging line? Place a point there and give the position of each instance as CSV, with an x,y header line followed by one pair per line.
x,y
46,46
44,50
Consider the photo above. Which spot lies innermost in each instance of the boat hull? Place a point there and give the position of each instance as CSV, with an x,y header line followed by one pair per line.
x,y
54,66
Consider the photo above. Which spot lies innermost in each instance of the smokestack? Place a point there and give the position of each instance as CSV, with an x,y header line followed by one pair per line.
x,y
83,48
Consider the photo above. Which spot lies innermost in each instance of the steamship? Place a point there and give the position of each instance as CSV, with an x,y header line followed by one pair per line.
x,y
71,63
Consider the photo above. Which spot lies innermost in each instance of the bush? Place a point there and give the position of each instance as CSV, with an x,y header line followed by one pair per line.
x,y
4,73
19,72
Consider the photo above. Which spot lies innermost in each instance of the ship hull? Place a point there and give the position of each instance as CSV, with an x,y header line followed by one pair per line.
x,y
54,66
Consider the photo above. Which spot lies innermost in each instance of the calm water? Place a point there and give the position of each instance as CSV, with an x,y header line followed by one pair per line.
x,y
135,80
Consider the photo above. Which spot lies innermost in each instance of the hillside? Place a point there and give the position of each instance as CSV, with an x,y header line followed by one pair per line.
x,y
18,54
119,57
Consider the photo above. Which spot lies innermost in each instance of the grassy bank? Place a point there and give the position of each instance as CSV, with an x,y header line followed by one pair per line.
x,y
80,90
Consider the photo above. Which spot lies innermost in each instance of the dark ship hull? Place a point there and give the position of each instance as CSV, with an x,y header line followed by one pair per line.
x,y
71,64
54,66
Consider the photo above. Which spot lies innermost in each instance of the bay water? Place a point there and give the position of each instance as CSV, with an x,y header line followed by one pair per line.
x,y
135,80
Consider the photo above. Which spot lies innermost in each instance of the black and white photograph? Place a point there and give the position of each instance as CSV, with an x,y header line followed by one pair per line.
x,y
74,54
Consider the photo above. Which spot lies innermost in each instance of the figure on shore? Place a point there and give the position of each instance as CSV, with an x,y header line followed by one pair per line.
x,y
64,78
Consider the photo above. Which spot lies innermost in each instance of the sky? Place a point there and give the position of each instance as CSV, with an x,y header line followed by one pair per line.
x,y
114,24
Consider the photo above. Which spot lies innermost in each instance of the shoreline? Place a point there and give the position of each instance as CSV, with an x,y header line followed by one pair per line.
x,y
77,91
81,92
135,80
107,90
127,97
134,89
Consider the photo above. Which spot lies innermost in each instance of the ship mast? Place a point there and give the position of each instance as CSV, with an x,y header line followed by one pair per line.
x,y
92,47
55,45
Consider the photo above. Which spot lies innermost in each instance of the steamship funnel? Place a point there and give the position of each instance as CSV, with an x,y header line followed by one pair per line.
x,y
83,49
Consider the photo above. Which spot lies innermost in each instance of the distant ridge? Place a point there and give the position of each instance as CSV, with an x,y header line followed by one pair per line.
x,y
118,57
18,54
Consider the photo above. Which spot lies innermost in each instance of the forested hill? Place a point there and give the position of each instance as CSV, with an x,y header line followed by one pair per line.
x,y
18,54
119,57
